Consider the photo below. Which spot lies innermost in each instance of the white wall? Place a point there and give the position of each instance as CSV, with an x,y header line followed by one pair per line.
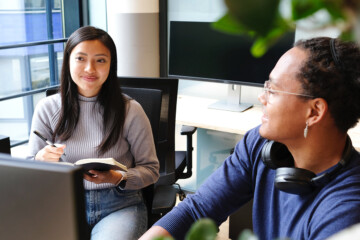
x,y
134,26
97,14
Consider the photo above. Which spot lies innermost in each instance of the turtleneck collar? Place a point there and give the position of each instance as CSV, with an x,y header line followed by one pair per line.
x,y
87,99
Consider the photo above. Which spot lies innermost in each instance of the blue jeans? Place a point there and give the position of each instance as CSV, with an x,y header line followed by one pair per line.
x,y
115,214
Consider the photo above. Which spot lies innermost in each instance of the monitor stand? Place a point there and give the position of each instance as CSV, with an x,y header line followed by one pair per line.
x,y
233,102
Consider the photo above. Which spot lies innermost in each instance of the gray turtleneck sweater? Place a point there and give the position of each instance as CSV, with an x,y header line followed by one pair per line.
x,y
135,148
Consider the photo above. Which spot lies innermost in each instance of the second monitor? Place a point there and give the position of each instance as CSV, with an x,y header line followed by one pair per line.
x,y
41,201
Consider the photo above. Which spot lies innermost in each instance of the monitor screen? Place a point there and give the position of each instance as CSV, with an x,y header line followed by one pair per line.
x,y
198,52
41,200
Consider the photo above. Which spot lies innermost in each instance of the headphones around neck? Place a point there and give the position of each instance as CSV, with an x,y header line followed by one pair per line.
x,y
294,180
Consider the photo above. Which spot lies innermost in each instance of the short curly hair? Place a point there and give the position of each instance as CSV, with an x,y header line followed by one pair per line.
x,y
334,75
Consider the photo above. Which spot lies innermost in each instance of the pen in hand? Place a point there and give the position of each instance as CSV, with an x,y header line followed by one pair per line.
x,y
44,139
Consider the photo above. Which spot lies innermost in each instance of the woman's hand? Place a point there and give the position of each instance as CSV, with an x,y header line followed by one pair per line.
x,y
97,177
50,153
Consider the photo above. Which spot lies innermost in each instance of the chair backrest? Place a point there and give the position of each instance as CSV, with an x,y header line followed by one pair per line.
x,y
150,100
166,135
51,91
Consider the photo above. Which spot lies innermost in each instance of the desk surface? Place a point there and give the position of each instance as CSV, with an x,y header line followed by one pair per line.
x,y
194,111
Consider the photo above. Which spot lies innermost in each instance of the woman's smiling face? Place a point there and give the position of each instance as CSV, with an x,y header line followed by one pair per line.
x,y
90,66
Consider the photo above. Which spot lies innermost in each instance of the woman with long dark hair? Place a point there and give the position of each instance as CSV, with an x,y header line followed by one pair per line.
x,y
91,118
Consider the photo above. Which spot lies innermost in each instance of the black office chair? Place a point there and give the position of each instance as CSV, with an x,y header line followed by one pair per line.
x,y
5,144
173,169
52,91
172,163
150,100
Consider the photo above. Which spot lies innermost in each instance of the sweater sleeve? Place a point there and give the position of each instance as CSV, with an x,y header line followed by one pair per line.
x,y
139,135
42,121
223,192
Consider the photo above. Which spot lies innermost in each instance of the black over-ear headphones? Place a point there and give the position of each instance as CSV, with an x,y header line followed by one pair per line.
x,y
297,180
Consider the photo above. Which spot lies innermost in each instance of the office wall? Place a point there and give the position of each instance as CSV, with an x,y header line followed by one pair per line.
x,y
134,26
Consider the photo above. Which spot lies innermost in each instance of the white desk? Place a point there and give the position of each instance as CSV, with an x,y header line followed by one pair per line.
x,y
194,111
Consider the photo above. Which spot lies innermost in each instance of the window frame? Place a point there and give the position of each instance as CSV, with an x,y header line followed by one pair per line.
x,y
72,18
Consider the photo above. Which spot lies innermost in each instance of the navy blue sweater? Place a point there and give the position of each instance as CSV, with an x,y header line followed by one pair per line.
x,y
276,214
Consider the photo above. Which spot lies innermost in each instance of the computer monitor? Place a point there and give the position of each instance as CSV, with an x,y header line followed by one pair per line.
x,y
41,200
199,52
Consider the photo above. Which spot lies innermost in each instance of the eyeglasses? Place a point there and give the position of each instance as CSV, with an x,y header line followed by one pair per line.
x,y
268,92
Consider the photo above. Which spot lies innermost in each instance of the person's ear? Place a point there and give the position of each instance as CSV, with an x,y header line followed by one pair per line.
x,y
318,109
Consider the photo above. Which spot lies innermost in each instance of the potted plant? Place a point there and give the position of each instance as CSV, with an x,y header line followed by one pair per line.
x,y
268,20
205,229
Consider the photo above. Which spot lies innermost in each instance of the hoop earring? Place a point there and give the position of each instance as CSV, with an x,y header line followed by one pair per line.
x,y
306,129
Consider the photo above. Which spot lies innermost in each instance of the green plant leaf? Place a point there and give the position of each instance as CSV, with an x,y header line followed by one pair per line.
x,y
203,229
163,238
255,15
304,8
348,35
261,20
247,235
334,7
228,24
262,44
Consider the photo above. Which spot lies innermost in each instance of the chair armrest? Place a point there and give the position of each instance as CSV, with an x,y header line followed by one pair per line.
x,y
187,130
187,159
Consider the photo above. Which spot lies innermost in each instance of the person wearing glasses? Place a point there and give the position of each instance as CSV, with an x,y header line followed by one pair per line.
x,y
298,166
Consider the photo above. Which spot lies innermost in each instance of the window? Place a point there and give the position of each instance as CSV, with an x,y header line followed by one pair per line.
x,y
33,34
